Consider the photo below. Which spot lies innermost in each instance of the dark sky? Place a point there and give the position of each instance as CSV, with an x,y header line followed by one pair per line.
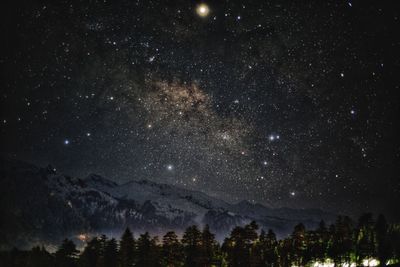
x,y
286,103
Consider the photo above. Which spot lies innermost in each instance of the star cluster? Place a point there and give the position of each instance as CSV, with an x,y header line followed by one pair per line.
x,y
276,102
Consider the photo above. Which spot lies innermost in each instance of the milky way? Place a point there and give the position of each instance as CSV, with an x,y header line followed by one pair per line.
x,y
275,102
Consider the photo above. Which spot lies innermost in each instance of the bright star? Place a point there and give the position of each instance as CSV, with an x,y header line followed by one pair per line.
x,y
170,167
66,142
202,10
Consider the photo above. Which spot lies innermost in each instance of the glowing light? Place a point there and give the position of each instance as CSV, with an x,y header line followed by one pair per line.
x,y
170,167
202,10
370,262
329,263
83,237
66,142
273,137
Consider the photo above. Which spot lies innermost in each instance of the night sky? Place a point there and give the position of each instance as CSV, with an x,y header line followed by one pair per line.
x,y
285,103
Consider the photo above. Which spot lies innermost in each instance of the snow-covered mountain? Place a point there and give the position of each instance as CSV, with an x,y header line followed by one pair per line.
x,y
39,205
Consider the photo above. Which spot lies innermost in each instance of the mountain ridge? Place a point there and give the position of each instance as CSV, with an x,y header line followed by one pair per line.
x,y
41,205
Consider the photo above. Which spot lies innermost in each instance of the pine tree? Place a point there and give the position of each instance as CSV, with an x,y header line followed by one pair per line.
x,y
250,238
365,238
299,244
258,253
172,253
208,247
111,253
147,251
127,249
66,255
285,252
383,249
320,247
91,253
236,247
191,242
103,242
270,249
341,240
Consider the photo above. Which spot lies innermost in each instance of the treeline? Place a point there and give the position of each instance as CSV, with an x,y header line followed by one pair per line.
x,y
341,242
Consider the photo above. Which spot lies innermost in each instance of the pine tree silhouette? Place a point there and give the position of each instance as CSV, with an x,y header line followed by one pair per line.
x,y
66,255
365,238
342,243
147,251
299,244
191,242
209,247
172,253
111,253
127,249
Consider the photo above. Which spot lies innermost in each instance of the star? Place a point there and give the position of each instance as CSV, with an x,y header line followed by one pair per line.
x,y
225,136
170,167
66,142
202,10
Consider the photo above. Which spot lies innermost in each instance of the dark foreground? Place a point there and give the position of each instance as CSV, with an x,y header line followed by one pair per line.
x,y
369,242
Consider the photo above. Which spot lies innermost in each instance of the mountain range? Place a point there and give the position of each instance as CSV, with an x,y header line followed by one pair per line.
x,y
40,206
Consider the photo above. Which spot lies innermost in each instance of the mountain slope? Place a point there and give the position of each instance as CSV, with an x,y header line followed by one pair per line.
x,y
40,205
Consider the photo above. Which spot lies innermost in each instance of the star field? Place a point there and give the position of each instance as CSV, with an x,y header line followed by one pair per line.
x,y
281,103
